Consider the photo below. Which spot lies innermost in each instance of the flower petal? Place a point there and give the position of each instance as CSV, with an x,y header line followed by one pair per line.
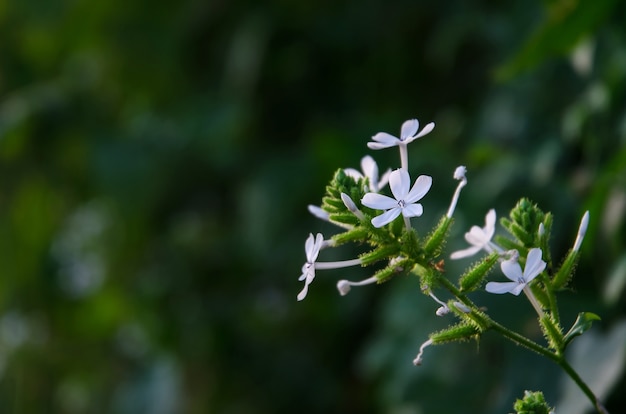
x,y
303,292
490,223
409,128
386,217
351,172
370,168
460,254
378,145
501,287
420,188
534,264
518,289
386,139
512,270
426,130
476,236
399,181
384,180
378,201
412,210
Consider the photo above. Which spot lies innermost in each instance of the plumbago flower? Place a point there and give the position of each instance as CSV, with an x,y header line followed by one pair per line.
x,y
513,271
370,170
405,201
408,134
479,238
312,248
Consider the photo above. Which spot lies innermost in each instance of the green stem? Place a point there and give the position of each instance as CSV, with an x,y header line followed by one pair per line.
x,y
522,340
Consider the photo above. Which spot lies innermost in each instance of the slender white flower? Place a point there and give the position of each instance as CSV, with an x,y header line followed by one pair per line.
x,y
408,133
518,279
582,229
312,248
459,174
480,238
344,286
405,201
418,359
318,212
370,171
322,214
350,205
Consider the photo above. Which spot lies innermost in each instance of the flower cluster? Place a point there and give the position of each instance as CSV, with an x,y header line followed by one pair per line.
x,y
368,208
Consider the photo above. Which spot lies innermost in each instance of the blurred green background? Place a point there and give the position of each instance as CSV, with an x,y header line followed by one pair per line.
x,y
157,158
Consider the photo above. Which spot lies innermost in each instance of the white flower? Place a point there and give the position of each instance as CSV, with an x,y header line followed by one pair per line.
x,y
513,271
312,248
479,238
582,229
408,134
370,170
405,201
344,286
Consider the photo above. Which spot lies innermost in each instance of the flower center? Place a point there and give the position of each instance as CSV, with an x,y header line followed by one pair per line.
x,y
401,203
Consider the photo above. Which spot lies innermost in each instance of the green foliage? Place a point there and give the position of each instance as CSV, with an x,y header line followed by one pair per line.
x,y
473,278
532,403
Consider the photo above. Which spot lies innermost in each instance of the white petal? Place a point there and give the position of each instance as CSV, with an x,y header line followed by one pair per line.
x,y
385,139
409,128
490,223
534,265
476,236
511,270
351,172
399,181
308,245
384,180
377,145
378,201
518,289
460,254
312,254
386,217
370,168
426,130
420,188
303,292
412,210
318,212
500,287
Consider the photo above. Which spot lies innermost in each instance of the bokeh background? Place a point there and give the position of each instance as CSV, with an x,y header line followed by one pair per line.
x,y
157,158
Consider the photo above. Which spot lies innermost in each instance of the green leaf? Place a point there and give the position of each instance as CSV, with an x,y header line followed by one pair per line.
x,y
582,324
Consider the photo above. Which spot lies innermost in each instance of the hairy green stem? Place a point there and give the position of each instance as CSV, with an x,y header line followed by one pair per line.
x,y
519,339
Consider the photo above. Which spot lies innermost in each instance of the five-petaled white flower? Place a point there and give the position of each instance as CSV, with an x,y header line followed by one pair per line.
x,y
408,134
480,238
405,201
513,271
312,248
370,170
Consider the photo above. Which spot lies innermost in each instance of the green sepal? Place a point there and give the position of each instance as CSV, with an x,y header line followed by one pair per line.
x,y
524,222
566,271
380,253
538,290
435,241
356,234
552,332
344,217
473,277
532,403
398,267
456,333
583,323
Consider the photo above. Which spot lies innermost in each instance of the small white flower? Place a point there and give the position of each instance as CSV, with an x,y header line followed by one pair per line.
x,y
344,286
405,201
318,212
513,271
312,248
582,229
370,170
479,238
408,134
